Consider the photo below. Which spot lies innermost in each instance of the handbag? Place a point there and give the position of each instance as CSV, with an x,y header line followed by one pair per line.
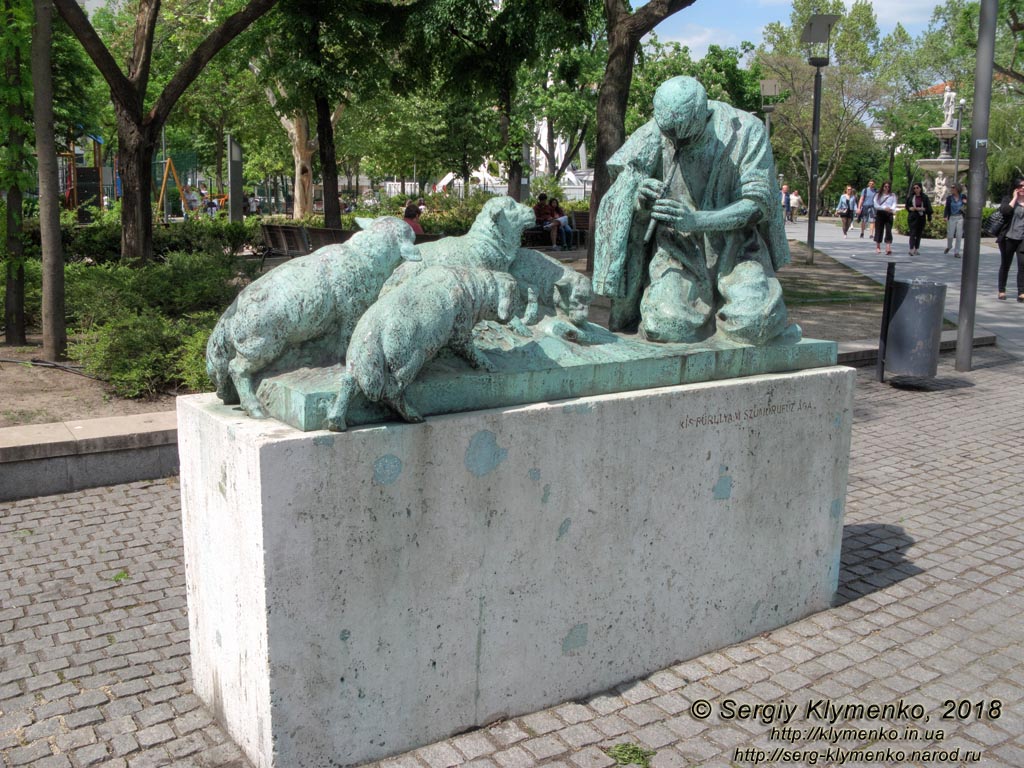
x,y
993,223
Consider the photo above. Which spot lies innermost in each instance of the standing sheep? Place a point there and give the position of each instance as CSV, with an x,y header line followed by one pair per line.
x,y
322,294
407,327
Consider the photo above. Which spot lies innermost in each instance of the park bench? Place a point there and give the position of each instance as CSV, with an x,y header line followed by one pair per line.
x,y
536,237
581,226
284,240
290,240
318,237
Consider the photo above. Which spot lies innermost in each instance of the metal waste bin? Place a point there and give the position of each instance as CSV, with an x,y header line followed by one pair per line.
x,y
914,328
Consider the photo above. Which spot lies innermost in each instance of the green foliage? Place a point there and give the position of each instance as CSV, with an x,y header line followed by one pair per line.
x,y
143,329
548,185
190,360
133,352
16,156
144,353
933,230
720,73
100,240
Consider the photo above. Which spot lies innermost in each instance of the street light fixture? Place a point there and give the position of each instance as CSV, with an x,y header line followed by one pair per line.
x,y
959,127
769,89
817,30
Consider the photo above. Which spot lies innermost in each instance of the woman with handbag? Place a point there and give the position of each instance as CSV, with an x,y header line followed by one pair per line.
x,y
885,211
847,204
1010,237
919,210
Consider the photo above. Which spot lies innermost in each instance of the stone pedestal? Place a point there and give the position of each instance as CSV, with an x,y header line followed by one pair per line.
x,y
356,595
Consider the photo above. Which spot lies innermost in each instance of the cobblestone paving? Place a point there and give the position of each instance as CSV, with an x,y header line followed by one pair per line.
x,y
94,664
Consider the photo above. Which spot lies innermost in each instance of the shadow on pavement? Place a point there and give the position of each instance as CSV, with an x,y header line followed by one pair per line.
x,y
938,384
873,558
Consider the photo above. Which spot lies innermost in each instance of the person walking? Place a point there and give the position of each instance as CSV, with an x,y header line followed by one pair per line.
x,y
866,208
919,211
1010,237
795,204
885,211
847,205
786,199
954,216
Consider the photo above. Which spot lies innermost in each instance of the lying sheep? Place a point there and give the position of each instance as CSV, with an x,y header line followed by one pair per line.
x,y
322,294
407,327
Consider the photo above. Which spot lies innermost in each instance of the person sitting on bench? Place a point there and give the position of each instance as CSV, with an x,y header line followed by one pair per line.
x,y
547,218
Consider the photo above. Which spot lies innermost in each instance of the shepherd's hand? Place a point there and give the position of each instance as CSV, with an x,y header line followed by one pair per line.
x,y
679,215
651,189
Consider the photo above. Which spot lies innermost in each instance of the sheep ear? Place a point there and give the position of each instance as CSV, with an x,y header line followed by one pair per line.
x,y
364,223
564,282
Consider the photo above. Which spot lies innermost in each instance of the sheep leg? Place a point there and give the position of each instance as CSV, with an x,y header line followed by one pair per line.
x,y
241,370
468,350
402,378
336,416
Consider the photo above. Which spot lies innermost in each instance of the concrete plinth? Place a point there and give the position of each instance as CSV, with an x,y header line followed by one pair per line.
x,y
356,595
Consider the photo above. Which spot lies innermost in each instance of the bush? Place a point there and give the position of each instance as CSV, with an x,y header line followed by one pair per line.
x,y
190,357
131,351
185,283
549,185
142,354
934,229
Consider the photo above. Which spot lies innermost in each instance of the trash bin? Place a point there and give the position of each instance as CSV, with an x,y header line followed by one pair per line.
x,y
915,328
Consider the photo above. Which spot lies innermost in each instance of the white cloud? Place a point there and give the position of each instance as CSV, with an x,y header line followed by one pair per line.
x,y
698,38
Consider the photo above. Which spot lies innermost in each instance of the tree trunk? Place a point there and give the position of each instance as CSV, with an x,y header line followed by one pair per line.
x,y
55,334
513,155
136,152
328,162
14,298
303,147
218,156
611,116
552,153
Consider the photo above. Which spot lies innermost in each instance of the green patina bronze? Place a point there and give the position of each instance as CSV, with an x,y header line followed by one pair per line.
x,y
546,367
687,242
689,236
302,311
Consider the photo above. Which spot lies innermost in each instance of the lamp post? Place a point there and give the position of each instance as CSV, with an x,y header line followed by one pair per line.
x,y
977,182
769,89
817,30
959,127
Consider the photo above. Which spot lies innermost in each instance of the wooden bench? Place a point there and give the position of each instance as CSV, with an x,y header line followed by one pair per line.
x,y
318,237
291,241
536,237
581,226
284,240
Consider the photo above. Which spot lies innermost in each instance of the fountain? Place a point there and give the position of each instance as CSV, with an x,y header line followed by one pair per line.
x,y
945,165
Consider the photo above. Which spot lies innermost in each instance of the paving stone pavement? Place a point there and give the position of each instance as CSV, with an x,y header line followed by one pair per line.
x,y
94,657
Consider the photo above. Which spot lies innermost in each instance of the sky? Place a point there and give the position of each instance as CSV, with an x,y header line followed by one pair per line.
x,y
708,22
